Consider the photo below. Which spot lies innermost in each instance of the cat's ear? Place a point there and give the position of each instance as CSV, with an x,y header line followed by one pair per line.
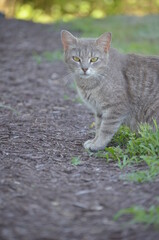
x,y
67,39
104,41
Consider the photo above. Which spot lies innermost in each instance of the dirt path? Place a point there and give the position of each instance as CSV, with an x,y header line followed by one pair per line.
x,y
42,195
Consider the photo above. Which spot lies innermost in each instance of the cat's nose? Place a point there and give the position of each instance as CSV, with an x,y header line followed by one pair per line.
x,y
84,70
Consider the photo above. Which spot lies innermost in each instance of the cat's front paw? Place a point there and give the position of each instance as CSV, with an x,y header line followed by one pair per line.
x,y
93,146
88,143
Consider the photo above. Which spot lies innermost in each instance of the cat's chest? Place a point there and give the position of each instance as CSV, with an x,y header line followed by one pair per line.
x,y
89,98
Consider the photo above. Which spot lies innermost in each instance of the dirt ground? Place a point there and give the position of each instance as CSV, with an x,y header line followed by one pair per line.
x,y
42,195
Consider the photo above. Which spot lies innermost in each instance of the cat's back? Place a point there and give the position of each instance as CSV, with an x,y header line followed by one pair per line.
x,y
141,74
141,64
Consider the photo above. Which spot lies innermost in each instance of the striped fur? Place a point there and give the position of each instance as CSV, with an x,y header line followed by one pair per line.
x,y
118,88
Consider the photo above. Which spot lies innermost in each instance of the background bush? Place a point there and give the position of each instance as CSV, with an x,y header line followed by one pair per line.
x,y
52,10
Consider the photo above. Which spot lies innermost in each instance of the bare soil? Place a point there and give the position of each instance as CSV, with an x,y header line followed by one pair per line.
x,y
43,196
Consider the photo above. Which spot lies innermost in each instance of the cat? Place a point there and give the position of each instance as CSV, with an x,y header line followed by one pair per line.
x,y
118,88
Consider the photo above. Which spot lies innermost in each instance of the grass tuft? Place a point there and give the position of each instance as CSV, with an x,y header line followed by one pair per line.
x,y
136,149
142,215
75,161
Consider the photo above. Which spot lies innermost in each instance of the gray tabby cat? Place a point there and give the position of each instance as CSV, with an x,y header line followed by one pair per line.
x,y
119,89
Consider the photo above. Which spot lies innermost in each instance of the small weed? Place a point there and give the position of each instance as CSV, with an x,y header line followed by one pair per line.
x,y
92,125
75,161
139,214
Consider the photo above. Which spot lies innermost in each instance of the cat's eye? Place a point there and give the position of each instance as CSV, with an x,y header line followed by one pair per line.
x,y
94,59
76,59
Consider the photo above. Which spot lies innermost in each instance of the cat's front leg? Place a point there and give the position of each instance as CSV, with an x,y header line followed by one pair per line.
x,y
98,120
108,127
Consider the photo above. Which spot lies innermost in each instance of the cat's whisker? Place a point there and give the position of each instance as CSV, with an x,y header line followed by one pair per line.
x,y
67,79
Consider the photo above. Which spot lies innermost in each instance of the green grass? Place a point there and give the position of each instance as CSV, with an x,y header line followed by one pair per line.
x,y
48,56
129,33
138,149
75,161
138,214
131,149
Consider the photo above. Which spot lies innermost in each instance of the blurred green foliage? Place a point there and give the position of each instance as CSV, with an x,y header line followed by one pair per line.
x,y
52,10
48,56
129,33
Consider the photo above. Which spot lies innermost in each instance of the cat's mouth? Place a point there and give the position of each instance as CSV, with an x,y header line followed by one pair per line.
x,y
84,75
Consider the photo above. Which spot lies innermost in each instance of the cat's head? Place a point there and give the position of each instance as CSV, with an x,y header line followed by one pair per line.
x,y
86,57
